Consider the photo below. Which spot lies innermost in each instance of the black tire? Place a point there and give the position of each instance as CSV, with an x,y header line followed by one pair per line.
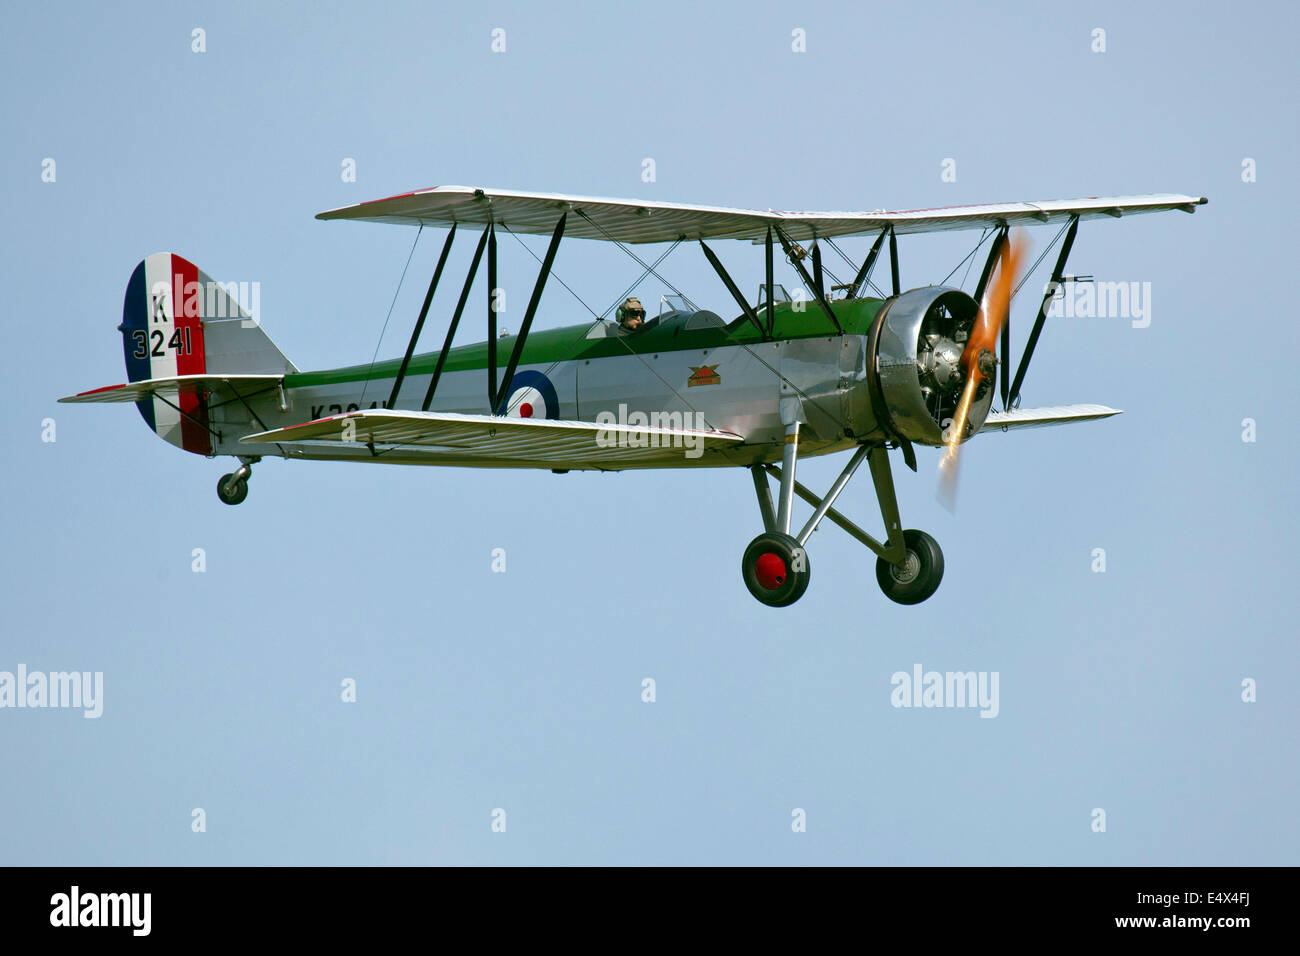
x,y
919,575
234,497
776,569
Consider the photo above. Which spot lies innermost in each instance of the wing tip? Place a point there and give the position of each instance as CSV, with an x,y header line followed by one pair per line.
x,y
342,212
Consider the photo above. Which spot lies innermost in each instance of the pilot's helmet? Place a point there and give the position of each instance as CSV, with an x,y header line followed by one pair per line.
x,y
630,308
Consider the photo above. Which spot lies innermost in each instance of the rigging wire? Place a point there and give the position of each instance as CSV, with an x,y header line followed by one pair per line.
x,y
854,267
552,272
1046,250
725,328
649,269
638,259
586,329
970,258
600,321
366,384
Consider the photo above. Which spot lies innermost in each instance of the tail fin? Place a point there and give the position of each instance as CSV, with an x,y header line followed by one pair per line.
x,y
177,321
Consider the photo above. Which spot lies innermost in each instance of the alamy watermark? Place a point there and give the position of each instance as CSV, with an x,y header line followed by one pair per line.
x,y
624,429
1101,300
38,689
922,688
128,910
212,299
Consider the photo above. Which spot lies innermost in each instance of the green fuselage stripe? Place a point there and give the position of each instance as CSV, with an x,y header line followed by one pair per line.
x,y
570,343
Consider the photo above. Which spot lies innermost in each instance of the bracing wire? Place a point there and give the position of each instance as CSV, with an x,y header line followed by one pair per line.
x,y
410,255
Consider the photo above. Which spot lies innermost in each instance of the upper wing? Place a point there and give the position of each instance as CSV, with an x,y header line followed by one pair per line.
x,y
509,442
636,221
135,391
1048,415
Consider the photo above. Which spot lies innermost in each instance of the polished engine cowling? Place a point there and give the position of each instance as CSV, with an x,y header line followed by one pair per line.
x,y
914,369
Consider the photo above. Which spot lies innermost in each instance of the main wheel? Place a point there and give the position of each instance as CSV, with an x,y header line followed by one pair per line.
x,y
775,569
920,573
236,494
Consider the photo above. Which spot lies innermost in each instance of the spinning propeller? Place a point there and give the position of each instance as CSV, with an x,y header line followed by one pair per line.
x,y
979,358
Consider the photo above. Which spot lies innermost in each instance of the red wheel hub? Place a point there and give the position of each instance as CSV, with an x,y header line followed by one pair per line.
x,y
770,570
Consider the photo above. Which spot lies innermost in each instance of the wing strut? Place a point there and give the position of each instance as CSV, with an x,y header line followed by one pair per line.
x,y
538,286
1042,313
990,262
994,250
771,293
865,272
419,323
893,261
807,280
817,269
731,287
492,317
455,321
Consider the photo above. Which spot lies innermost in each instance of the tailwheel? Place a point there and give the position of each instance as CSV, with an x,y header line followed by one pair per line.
x,y
233,488
918,575
776,569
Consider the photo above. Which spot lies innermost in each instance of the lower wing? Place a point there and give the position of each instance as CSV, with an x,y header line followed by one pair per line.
x,y
522,442
1048,415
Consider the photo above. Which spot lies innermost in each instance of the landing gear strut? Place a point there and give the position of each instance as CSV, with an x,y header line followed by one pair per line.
x,y
233,488
775,566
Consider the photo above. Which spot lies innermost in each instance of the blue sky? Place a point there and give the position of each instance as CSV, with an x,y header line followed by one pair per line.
x,y
522,690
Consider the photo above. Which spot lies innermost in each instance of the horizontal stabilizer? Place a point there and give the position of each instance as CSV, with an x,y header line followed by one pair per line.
x,y
1048,415
514,442
187,384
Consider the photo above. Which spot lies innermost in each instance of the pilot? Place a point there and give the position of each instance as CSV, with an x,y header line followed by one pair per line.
x,y
631,316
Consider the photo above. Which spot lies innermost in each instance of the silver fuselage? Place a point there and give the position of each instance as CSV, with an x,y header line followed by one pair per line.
x,y
825,376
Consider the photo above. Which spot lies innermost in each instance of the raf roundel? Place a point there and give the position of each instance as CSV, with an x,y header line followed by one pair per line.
x,y
531,396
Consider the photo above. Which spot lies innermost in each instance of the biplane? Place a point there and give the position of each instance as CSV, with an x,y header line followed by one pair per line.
x,y
830,368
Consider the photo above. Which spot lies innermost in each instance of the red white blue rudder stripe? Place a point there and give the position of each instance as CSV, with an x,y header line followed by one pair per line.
x,y
162,337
